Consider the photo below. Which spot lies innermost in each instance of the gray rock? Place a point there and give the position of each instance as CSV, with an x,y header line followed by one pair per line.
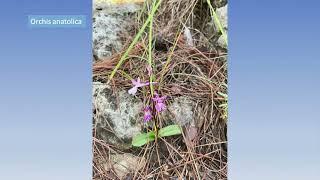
x,y
125,163
222,13
111,8
222,42
182,110
117,117
218,3
109,22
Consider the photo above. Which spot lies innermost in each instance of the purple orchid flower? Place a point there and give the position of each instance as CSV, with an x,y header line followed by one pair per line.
x,y
136,84
147,114
160,105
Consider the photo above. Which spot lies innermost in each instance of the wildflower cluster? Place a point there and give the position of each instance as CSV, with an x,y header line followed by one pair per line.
x,y
160,105
157,99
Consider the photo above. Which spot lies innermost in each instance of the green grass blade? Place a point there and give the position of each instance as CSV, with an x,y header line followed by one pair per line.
x,y
150,49
135,40
217,22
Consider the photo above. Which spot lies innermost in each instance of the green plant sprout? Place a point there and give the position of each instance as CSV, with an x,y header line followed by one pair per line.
x,y
150,50
144,138
224,106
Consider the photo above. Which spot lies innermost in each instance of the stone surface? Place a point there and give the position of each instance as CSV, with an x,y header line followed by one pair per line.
x,y
117,117
222,13
218,3
182,110
109,22
221,42
125,163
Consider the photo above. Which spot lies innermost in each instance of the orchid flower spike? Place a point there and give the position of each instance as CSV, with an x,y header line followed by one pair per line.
x,y
160,105
147,114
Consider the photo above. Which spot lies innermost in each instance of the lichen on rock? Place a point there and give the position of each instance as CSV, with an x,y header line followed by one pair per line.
x,y
109,22
222,14
182,110
117,117
124,164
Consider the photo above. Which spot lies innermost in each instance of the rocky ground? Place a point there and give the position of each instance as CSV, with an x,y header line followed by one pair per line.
x,y
117,114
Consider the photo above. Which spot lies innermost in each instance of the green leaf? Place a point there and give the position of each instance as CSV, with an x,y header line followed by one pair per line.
x,y
142,139
169,131
223,95
223,105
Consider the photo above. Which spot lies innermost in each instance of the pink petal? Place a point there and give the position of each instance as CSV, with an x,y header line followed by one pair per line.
x,y
147,117
163,98
160,107
133,90
134,82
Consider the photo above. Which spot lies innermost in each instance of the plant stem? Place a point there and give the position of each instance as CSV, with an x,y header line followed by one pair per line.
x,y
135,40
150,49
